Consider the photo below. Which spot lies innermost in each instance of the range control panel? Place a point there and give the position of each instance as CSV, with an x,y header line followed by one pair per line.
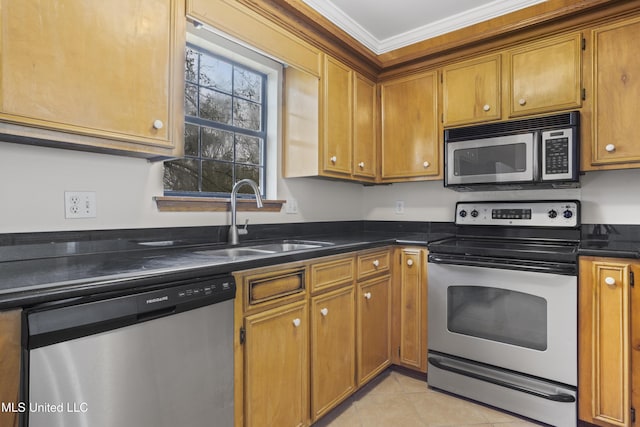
x,y
558,213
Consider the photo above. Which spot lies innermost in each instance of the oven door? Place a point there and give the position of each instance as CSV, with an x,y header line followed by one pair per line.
x,y
524,321
504,159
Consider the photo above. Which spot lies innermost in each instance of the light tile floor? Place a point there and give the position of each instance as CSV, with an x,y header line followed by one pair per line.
x,y
395,399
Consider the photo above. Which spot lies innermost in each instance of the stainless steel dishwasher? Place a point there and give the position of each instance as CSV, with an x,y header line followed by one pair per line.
x,y
162,358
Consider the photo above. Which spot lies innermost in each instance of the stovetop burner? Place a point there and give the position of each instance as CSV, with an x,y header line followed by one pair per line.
x,y
527,230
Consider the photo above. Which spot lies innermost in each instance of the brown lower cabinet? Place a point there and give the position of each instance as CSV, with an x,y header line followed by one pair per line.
x,y
410,309
310,333
609,341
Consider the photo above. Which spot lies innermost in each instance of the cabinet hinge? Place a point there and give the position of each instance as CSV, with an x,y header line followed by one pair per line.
x,y
441,79
632,279
584,43
584,94
243,335
633,415
398,351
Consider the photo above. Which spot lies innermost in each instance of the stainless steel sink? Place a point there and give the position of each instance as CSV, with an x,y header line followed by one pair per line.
x,y
265,248
291,245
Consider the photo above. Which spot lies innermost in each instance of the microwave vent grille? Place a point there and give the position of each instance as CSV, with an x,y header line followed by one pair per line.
x,y
513,126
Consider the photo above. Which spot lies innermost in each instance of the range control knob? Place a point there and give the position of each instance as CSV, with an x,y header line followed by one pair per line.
x,y
552,213
567,214
462,213
474,213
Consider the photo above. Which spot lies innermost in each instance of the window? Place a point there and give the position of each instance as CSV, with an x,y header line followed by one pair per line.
x,y
225,127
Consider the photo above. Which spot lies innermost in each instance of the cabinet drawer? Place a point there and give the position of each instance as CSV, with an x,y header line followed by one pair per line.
x,y
370,264
335,272
263,288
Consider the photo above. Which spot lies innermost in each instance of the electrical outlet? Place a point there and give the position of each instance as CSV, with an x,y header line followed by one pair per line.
x,y
79,204
399,207
291,207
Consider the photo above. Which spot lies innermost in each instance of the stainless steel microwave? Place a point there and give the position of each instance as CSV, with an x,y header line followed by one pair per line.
x,y
540,152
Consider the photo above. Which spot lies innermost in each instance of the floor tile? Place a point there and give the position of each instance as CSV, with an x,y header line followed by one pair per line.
x,y
400,399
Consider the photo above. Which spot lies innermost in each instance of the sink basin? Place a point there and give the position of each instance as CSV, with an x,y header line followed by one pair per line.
x,y
236,252
291,245
265,248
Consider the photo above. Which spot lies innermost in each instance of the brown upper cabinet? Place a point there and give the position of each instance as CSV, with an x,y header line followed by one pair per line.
x,y
532,78
410,135
545,76
89,76
615,65
471,91
330,123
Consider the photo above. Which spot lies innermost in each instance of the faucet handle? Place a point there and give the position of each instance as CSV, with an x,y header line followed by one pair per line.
x,y
244,230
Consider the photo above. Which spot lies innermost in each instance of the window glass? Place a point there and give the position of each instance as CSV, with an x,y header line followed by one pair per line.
x,y
225,127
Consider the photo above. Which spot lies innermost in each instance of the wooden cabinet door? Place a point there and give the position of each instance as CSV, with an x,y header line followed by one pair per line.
x,y
604,375
277,367
616,103
471,91
410,127
410,310
111,69
337,118
635,339
374,327
546,76
333,345
365,156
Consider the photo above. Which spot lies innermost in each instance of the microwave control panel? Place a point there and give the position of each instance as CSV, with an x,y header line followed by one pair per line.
x,y
557,154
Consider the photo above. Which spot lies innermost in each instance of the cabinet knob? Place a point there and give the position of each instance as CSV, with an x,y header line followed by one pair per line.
x,y
376,263
486,107
324,311
157,124
610,148
522,101
296,322
425,164
333,159
409,262
610,281
367,295
361,165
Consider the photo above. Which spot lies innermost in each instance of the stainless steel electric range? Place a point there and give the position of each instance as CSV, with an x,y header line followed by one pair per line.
x,y
502,304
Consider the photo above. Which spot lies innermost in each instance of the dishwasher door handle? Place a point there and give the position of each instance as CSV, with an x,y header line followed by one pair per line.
x,y
155,314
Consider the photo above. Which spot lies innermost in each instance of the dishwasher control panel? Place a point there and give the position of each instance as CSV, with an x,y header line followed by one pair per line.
x,y
207,290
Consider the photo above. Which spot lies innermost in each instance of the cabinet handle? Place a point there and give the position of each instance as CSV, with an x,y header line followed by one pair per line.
x,y
425,164
361,165
610,148
522,101
486,107
409,262
367,295
333,159
324,311
157,124
296,322
376,263
610,281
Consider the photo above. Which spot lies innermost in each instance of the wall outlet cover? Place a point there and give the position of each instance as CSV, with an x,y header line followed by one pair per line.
x,y
79,204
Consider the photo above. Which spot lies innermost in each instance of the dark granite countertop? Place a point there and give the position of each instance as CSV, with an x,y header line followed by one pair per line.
x,y
616,241
40,272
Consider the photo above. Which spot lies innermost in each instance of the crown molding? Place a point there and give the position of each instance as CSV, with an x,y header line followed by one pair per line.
x,y
467,18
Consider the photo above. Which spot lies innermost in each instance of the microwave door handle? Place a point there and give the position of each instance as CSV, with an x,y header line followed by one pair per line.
x,y
537,155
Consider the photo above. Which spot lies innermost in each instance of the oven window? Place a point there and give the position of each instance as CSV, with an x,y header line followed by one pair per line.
x,y
495,314
490,160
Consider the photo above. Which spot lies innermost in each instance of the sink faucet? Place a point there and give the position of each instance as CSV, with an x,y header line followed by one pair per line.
x,y
234,233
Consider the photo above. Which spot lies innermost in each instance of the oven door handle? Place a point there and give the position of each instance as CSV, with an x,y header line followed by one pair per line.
x,y
559,397
568,269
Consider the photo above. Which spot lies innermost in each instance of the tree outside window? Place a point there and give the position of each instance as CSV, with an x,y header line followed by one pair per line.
x,y
225,127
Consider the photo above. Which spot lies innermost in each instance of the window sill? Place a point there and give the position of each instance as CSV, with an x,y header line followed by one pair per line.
x,y
213,204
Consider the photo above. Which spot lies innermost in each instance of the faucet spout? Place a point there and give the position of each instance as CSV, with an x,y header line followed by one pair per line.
x,y
234,237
